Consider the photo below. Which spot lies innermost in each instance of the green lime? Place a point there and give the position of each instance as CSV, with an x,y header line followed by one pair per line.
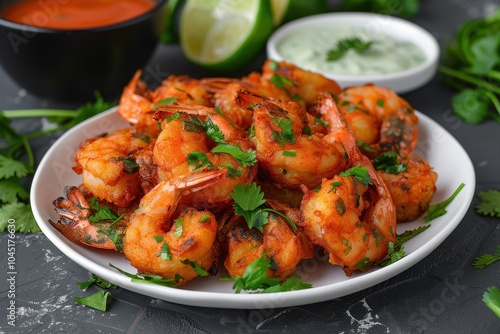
x,y
288,10
170,34
224,35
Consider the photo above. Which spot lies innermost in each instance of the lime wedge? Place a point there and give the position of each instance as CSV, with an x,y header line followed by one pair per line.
x,y
170,34
224,35
288,10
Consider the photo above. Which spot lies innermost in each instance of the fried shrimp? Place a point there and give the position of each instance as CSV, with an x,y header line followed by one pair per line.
x,y
380,118
153,243
411,190
286,154
75,221
352,218
277,242
299,85
184,145
136,100
108,170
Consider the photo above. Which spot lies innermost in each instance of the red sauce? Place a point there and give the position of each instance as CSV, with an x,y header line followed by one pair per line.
x,y
75,14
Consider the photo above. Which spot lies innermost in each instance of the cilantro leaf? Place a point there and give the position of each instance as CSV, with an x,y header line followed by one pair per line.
x,y
438,209
388,162
12,190
286,134
294,282
245,159
255,280
21,213
199,160
490,203
492,299
197,268
485,260
248,203
360,173
99,300
10,168
150,278
346,44
396,250
98,281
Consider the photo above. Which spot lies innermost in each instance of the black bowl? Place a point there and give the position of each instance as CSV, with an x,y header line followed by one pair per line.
x,y
70,65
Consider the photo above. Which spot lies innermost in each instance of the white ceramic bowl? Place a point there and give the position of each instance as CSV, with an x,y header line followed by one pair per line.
x,y
399,29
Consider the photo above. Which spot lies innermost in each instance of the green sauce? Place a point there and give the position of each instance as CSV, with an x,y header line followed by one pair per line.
x,y
308,48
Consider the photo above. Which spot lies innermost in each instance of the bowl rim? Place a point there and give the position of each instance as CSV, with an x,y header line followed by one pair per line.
x,y
35,29
355,18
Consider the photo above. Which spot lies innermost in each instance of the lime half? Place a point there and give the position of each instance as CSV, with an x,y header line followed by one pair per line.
x,y
224,35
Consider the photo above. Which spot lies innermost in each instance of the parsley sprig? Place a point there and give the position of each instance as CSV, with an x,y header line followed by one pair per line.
x,y
17,161
489,204
485,260
249,203
396,250
346,44
150,278
244,158
360,173
255,280
388,162
99,300
438,209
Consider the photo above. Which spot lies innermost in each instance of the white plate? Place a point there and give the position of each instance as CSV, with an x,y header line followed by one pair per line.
x,y
442,151
371,23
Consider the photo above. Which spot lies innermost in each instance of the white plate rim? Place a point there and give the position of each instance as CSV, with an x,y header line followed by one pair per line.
x,y
357,282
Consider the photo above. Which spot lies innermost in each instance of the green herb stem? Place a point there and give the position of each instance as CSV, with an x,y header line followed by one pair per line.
x,y
25,113
469,78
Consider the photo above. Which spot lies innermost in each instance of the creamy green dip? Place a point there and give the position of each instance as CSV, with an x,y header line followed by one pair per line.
x,y
308,48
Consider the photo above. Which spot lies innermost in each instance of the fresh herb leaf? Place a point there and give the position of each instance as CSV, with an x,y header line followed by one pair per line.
x,y
396,250
472,66
21,212
98,281
490,203
197,268
485,260
150,278
286,133
15,148
255,280
102,213
199,160
249,203
165,253
131,166
344,45
178,227
360,173
245,159
99,300
394,254
492,299
166,102
388,162
438,209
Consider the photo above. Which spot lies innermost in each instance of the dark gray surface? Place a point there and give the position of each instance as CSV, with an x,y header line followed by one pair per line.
x,y
440,294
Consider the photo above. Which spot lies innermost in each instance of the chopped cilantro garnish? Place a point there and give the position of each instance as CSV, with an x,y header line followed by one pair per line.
x,y
388,162
360,173
255,280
